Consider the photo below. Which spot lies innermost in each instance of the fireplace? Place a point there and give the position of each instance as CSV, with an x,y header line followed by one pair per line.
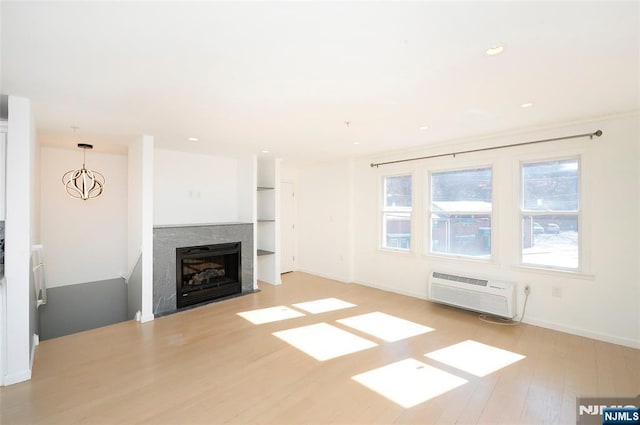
x,y
208,272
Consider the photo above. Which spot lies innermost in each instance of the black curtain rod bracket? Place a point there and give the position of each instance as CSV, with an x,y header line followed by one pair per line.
x,y
596,133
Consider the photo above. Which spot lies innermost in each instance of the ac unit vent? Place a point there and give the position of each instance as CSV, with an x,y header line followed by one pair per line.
x,y
487,296
469,280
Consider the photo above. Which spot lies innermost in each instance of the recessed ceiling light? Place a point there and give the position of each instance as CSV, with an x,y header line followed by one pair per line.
x,y
424,127
193,139
356,143
526,105
494,50
265,151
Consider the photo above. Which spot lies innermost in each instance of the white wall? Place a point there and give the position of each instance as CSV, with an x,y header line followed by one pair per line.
x,y
84,241
603,302
246,189
192,189
289,172
325,203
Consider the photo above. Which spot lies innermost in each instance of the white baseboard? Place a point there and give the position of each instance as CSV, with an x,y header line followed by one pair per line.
x,y
15,378
325,275
394,290
627,342
269,283
36,342
146,318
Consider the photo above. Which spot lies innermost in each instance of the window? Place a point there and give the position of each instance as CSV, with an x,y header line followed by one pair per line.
x,y
550,214
396,212
461,205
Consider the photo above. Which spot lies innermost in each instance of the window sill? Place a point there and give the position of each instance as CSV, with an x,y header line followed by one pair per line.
x,y
458,258
399,252
555,272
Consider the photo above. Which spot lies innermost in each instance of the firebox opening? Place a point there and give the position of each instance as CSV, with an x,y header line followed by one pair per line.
x,y
206,273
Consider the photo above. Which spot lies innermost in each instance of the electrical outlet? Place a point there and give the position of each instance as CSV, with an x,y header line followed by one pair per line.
x,y
556,291
527,289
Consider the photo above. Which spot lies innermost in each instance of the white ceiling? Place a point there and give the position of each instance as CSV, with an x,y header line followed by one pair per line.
x,y
284,77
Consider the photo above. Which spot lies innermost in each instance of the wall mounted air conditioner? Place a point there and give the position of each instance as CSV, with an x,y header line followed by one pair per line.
x,y
486,296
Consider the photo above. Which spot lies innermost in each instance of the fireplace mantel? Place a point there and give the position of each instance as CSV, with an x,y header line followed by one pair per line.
x,y
166,238
224,223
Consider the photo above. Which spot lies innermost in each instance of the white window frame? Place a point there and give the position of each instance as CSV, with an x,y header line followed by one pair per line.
x,y
578,213
429,211
384,210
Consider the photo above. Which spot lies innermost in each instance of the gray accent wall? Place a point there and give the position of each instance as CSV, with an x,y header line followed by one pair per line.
x,y
134,290
77,308
167,238
4,107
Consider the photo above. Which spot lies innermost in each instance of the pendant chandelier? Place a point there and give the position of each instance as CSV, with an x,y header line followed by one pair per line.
x,y
83,183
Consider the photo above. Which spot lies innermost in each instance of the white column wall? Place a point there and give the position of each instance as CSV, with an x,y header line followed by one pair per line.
x,y
247,201
147,228
18,238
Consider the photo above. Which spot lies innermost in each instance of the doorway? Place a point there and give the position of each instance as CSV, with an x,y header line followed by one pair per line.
x,y
287,227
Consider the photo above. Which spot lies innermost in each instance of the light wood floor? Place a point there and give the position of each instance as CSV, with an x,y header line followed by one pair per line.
x,y
209,365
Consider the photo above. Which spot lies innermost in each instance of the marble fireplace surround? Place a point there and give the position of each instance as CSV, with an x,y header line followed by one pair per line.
x,y
167,238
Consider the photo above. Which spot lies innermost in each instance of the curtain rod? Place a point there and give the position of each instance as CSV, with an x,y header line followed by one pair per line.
x,y
597,133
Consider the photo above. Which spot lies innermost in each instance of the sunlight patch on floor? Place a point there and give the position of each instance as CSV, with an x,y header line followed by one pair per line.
x,y
323,305
474,357
323,341
409,382
271,314
385,326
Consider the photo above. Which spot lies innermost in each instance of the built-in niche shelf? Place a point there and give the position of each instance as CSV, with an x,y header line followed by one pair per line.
x,y
267,220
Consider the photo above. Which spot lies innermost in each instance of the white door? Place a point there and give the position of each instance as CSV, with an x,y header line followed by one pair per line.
x,y
287,227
